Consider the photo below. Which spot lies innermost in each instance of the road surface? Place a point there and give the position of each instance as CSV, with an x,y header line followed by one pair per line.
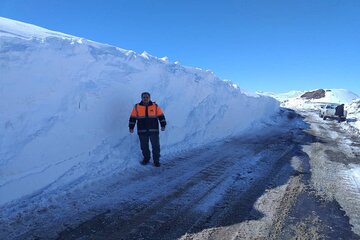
x,y
293,180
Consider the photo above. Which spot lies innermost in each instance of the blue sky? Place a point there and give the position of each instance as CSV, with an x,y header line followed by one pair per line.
x,y
261,45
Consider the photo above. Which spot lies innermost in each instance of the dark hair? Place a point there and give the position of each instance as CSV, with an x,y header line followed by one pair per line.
x,y
145,93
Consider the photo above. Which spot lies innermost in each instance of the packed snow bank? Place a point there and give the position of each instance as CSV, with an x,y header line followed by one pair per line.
x,y
65,104
353,110
13,28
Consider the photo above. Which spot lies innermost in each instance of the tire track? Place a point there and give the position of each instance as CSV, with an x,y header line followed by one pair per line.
x,y
154,220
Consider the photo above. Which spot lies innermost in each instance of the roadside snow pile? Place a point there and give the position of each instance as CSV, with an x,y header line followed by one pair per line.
x,y
312,99
354,113
65,105
356,175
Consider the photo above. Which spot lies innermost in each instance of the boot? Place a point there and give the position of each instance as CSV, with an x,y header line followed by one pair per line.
x,y
144,161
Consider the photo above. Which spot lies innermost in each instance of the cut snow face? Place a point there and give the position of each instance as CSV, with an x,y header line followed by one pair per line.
x,y
66,101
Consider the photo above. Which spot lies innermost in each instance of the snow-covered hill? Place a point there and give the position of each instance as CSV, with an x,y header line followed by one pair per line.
x,y
281,97
310,99
65,103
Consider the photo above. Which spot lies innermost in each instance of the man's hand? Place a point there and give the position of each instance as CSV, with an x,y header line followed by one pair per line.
x,y
131,130
162,128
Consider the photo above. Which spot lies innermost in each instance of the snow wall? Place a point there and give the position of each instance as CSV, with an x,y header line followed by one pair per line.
x,y
65,105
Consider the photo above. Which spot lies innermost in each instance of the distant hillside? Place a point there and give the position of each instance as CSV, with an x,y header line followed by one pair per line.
x,y
309,99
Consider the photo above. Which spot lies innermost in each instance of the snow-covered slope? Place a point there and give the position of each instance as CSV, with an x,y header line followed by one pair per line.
x,y
283,96
310,99
65,104
313,99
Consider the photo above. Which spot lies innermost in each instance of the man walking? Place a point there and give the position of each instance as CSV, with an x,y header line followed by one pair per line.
x,y
148,114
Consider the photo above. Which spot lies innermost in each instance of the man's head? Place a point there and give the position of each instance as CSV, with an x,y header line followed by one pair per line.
x,y
145,97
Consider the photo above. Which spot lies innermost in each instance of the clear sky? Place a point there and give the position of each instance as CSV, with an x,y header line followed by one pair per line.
x,y
262,45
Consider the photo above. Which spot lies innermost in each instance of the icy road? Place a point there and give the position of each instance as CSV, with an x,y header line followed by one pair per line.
x,y
299,178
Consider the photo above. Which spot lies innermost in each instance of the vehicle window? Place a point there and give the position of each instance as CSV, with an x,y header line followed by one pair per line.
x,y
330,107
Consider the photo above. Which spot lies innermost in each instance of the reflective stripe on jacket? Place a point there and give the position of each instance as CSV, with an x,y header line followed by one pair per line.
x,y
147,118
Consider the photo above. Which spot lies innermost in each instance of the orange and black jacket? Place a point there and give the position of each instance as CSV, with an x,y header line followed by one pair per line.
x,y
147,117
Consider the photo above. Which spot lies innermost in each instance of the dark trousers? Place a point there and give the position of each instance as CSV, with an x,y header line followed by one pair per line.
x,y
155,143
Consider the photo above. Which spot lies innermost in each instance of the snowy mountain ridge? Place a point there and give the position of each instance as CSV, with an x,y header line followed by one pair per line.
x,y
304,99
283,96
313,98
65,104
